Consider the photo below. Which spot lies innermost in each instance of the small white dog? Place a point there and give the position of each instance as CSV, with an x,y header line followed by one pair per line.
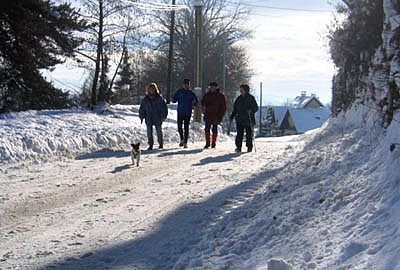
x,y
135,153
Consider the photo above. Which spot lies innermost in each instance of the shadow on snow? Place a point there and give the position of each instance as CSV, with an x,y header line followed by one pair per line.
x,y
109,153
183,228
218,159
181,152
175,234
104,153
121,168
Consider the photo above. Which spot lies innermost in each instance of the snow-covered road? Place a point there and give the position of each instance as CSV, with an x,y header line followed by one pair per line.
x,y
326,200
98,212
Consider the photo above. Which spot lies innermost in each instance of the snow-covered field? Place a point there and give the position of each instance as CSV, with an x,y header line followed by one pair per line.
x,y
329,199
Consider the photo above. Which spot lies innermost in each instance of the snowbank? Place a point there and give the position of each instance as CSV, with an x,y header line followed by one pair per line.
x,y
40,135
336,206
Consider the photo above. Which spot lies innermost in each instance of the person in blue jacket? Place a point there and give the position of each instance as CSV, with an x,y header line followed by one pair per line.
x,y
187,100
154,110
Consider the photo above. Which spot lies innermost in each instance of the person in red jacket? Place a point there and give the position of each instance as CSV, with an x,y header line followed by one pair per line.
x,y
214,108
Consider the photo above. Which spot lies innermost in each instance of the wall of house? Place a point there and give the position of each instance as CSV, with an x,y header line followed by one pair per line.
x,y
313,104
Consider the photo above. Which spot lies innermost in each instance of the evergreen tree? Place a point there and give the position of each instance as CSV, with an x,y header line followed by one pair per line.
x,y
124,86
34,35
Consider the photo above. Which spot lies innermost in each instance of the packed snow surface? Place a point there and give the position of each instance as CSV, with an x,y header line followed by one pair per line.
x,y
328,199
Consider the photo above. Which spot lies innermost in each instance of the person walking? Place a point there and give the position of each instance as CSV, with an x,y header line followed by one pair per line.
x,y
214,108
154,110
187,101
244,108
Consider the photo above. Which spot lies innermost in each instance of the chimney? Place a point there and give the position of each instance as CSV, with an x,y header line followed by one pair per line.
x,y
303,93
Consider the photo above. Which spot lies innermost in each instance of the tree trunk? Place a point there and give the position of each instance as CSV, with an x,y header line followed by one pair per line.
x,y
124,50
170,55
99,54
103,78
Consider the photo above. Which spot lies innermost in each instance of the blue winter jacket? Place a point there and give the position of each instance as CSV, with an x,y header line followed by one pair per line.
x,y
153,109
186,99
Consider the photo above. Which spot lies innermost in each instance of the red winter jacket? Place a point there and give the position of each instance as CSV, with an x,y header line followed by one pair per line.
x,y
214,107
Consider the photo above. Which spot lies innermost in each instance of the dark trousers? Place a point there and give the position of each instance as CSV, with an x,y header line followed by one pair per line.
x,y
214,128
184,123
159,135
239,136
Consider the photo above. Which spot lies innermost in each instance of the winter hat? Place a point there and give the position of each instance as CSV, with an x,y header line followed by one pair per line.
x,y
213,84
186,81
245,87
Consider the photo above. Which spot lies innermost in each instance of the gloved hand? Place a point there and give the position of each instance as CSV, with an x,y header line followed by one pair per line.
x,y
141,120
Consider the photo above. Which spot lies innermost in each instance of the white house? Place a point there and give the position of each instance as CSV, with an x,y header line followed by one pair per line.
x,y
301,120
303,114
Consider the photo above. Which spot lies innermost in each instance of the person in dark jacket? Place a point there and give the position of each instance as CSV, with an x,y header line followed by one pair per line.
x,y
214,108
154,110
243,111
187,100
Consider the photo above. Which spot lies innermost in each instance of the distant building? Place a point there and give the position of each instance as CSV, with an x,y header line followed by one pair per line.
x,y
301,120
303,114
306,102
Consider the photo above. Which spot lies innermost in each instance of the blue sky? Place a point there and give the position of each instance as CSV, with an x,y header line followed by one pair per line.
x,y
289,52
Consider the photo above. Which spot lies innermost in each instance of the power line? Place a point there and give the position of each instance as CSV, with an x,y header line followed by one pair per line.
x,y
150,5
280,8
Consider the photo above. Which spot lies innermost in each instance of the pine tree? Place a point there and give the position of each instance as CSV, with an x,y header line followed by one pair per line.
x,y
124,86
34,35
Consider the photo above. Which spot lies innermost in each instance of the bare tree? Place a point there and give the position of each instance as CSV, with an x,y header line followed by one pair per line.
x,y
224,26
114,26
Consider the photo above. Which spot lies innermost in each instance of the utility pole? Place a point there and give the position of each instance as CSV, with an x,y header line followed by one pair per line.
x,y
261,103
171,55
198,72
224,64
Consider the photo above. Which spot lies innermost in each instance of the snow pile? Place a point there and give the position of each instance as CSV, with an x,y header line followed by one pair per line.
x,y
335,206
40,135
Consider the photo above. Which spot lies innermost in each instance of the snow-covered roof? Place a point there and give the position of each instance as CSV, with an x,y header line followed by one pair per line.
x,y
308,119
302,101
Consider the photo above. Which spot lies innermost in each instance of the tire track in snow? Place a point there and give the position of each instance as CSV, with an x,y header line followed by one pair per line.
x,y
103,208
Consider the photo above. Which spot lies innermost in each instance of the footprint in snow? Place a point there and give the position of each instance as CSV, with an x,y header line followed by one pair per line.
x,y
80,235
156,181
44,253
187,182
86,255
75,244
7,256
